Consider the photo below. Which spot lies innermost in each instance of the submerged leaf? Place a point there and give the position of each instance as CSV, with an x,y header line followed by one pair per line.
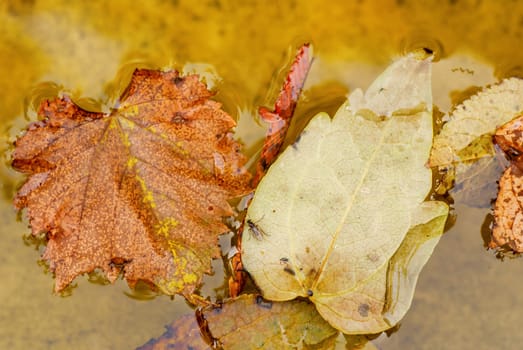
x,y
141,190
337,205
249,322
462,138
183,333
476,184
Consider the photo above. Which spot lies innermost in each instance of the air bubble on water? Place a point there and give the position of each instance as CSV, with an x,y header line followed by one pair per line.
x,y
425,45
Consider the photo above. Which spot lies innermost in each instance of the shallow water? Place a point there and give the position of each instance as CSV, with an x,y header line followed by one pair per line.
x,y
89,49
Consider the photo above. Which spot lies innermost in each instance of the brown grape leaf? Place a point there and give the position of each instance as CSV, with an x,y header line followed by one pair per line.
x,y
508,209
141,190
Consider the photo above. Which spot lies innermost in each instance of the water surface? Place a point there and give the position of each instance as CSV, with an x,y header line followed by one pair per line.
x,y
89,49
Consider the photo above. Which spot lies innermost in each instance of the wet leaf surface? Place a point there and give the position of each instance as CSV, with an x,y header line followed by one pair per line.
x,y
139,191
508,209
334,209
462,137
280,118
250,322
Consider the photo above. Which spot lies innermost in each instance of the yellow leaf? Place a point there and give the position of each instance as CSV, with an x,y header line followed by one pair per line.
x,y
337,205
468,134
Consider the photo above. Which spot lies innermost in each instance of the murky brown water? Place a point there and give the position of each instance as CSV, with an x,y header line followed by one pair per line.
x,y
466,299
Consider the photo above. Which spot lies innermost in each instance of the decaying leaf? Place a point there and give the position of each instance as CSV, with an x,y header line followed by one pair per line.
x,y
280,118
250,322
476,184
508,209
335,208
141,190
462,137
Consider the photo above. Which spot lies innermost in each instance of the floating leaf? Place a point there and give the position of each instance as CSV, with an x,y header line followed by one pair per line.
x,y
467,135
141,190
280,118
508,209
334,209
508,212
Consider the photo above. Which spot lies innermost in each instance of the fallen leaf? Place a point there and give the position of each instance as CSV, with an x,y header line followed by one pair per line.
x,y
508,209
183,333
334,209
250,322
476,117
508,213
280,118
476,184
141,190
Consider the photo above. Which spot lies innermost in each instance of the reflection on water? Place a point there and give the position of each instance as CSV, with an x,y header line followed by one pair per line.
x,y
89,48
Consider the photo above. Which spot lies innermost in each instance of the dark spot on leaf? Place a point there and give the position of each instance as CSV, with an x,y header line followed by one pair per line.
x,y
178,118
117,261
373,257
289,271
263,163
263,303
178,81
284,260
363,310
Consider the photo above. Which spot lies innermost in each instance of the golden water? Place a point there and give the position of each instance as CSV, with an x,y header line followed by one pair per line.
x,y
466,299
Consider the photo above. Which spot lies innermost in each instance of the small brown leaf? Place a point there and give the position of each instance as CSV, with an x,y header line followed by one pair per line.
x,y
141,190
508,209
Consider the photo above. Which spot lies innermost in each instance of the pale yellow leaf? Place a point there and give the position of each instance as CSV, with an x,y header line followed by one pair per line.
x,y
462,138
335,207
